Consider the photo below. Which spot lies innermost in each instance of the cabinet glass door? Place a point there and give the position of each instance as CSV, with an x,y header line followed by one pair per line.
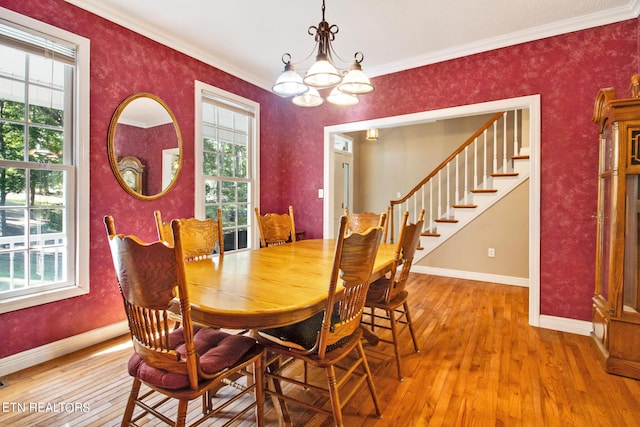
x,y
606,209
630,294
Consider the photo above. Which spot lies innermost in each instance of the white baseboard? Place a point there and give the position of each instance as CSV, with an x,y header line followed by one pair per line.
x,y
563,324
470,275
35,356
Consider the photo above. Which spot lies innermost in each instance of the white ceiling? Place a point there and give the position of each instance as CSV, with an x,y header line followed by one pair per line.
x,y
248,37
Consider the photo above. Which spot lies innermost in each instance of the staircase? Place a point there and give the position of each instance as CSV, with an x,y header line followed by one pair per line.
x,y
484,169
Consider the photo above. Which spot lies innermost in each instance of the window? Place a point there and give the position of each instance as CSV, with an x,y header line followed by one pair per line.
x,y
43,169
226,162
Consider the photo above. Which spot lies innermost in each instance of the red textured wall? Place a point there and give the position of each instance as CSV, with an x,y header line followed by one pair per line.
x,y
122,63
567,71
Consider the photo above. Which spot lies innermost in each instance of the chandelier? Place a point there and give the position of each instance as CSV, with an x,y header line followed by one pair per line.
x,y
346,84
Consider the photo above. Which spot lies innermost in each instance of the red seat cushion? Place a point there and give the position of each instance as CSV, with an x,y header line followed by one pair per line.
x,y
377,290
218,350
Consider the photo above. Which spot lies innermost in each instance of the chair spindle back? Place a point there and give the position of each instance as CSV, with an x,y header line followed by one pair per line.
x,y
353,262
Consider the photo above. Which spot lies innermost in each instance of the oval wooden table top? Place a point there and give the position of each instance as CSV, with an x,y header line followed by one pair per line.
x,y
268,287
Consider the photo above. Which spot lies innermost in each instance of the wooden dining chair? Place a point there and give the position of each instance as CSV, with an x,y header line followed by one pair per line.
x,y
327,338
276,229
201,237
185,363
360,222
390,294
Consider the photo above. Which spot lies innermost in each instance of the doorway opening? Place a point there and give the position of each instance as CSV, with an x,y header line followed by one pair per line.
x,y
531,103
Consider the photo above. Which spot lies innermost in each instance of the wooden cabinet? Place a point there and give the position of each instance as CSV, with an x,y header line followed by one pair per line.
x,y
616,300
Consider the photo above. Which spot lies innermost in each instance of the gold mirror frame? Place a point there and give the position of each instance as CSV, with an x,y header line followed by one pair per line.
x,y
115,159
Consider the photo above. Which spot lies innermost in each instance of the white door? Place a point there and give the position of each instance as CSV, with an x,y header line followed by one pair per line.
x,y
343,179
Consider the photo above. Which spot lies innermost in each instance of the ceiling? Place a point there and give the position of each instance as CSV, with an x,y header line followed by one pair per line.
x,y
247,38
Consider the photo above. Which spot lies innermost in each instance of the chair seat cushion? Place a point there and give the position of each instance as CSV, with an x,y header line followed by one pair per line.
x,y
217,349
302,335
378,290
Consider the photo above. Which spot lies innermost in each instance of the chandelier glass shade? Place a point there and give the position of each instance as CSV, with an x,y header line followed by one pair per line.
x,y
289,83
346,84
342,98
310,98
322,74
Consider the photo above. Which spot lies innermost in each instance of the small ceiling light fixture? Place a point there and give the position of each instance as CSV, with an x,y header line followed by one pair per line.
x,y
372,134
39,153
323,74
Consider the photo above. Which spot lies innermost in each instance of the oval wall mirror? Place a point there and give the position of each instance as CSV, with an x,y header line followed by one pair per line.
x,y
145,146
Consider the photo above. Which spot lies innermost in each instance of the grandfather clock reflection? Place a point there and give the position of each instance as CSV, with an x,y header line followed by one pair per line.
x,y
132,171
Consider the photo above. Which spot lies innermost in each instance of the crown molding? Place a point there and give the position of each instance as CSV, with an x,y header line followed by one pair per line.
x,y
622,13
105,11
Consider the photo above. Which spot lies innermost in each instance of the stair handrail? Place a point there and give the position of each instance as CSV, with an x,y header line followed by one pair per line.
x,y
442,165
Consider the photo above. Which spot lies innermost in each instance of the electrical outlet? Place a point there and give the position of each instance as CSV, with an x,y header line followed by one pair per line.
x,y
491,253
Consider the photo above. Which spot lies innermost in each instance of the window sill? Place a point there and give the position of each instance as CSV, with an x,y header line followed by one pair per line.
x,y
33,300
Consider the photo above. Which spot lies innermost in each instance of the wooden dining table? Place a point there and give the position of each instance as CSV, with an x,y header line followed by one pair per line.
x,y
268,287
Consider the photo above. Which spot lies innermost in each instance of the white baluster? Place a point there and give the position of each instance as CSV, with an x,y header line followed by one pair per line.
x,y
439,213
504,143
516,148
422,189
430,216
484,171
396,219
475,164
495,148
12,283
457,195
466,174
447,199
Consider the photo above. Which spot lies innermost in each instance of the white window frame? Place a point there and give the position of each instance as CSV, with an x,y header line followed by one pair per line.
x,y
79,275
202,88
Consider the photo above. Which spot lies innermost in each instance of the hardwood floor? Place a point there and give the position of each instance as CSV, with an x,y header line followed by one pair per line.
x,y
480,365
